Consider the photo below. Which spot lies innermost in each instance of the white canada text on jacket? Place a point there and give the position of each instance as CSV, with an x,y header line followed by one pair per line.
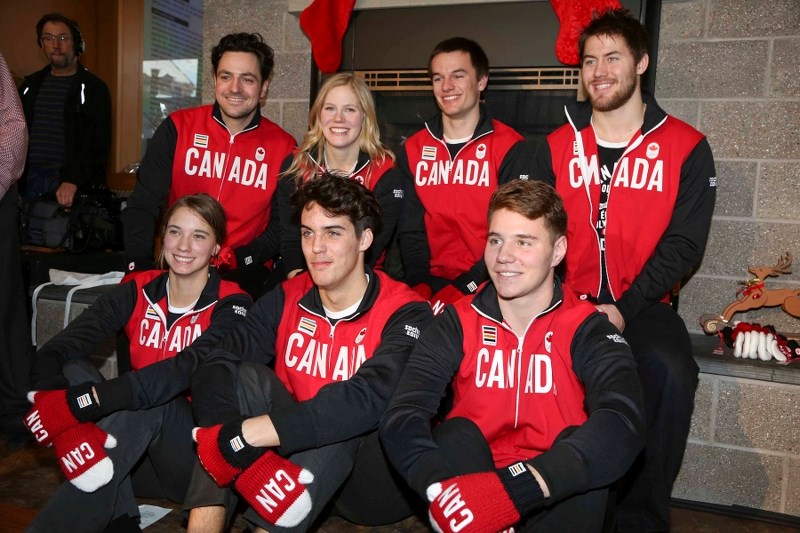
x,y
319,359
446,172
211,164
496,369
636,173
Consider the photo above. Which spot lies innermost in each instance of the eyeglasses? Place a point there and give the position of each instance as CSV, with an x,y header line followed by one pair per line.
x,y
48,38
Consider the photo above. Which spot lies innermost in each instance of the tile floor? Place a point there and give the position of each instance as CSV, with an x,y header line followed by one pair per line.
x,y
28,475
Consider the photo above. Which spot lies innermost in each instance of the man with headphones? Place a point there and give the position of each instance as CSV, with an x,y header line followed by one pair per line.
x,y
68,111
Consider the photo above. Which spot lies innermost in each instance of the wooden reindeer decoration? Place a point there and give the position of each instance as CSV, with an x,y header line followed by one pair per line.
x,y
755,295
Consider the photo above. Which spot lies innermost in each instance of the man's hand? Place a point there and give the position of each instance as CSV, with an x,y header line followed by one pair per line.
x,y
81,452
474,503
57,411
613,315
66,193
276,489
224,452
486,502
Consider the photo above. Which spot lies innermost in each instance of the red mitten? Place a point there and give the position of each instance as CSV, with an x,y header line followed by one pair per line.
x,y
275,488
325,22
474,503
573,17
445,297
223,452
82,456
50,415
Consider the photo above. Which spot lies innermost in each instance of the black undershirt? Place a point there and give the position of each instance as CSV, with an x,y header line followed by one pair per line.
x,y
608,157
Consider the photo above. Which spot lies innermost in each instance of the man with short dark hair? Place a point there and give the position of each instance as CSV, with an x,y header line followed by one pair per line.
x,y
547,410
338,337
639,186
455,164
227,150
68,111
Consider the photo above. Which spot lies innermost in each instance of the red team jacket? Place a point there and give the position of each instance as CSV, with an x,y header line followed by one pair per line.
x,y
150,339
455,193
521,392
644,186
310,353
240,170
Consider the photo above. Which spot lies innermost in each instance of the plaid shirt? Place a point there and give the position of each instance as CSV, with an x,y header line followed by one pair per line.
x,y
13,131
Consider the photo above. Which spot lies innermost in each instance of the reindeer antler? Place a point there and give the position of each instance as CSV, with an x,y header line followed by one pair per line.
x,y
784,264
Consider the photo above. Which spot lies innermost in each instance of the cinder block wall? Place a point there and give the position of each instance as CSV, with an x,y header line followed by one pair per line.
x,y
730,67
744,445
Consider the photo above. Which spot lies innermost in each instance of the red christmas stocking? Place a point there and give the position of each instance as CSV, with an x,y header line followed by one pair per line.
x,y
573,17
325,22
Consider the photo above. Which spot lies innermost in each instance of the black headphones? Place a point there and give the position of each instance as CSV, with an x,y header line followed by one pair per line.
x,y
77,38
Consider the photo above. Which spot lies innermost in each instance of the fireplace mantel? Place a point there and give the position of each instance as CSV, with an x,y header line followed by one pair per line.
x,y
296,6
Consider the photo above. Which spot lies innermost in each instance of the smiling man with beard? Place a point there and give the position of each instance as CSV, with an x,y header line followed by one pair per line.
x,y
639,186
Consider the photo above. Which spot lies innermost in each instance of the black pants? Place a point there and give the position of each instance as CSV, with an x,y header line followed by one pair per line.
x,y
16,349
353,474
467,453
662,349
153,459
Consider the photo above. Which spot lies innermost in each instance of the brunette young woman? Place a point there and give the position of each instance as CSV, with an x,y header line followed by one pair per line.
x,y
146,412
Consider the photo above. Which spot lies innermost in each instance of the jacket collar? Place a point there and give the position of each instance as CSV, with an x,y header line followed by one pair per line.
x,y
156,289
435,126
580,113
486,303
216,113
363,160
312,301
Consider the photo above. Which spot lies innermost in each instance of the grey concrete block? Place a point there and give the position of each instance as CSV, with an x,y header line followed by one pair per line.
x,y
294,38
703,401
754,18
730,477
295,117
728,248
292,76
273,110
785,53
703,295
757,415
793,487
752,130
687,111
735,187
734,245
682,20
684,67
778,191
